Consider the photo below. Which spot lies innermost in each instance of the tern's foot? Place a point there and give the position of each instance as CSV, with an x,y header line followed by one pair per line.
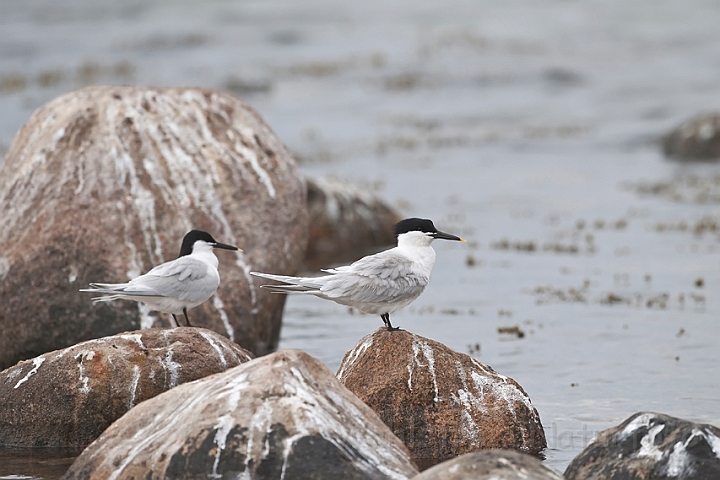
x,y
392,329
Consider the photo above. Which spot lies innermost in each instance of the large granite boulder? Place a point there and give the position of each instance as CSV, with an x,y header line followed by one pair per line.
x,y
695,139
346,223
101,184
441,403
490,465
69,397
279,416
649,446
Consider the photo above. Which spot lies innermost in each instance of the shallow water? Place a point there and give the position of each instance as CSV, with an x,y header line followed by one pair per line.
x,y
529,128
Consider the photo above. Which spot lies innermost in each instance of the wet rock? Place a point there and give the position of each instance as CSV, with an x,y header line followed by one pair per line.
x,y
490,465
101,184
69,397
346,223
279,416
441,403
651,445
696,139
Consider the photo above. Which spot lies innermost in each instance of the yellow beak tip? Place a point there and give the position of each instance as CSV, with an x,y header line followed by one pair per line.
x,y
463,240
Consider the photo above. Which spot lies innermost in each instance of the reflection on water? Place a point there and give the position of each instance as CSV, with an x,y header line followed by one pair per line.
x,y
528,128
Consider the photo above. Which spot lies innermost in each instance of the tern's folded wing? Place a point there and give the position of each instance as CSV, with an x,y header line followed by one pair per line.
x,y
184,279
376,279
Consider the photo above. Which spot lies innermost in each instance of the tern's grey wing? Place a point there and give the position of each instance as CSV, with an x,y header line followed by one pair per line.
x,y
184,278
384,277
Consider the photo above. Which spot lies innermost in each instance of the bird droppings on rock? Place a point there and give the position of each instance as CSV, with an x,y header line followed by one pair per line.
x,y
279,416
68,397
650,445
441,403
102,183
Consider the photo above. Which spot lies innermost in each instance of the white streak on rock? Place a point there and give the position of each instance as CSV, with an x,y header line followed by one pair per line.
x,y
355,353
13,375
642,420
81,357
133,337
134,384
418,346
714,442
503,388
260,422
223,427
80,177
469,428
678,460
171,367
240,262
679,464
36,364
4,267
215,347
217,303
250,156
72,276
647,444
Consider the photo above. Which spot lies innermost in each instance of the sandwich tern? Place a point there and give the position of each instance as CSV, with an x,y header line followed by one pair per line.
x,y
378,284
175,286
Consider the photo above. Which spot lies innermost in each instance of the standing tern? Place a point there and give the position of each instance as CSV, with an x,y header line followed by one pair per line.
x,y
379,284
175,286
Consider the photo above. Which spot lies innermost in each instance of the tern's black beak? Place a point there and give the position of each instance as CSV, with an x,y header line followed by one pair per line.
x,y
226,247
446,236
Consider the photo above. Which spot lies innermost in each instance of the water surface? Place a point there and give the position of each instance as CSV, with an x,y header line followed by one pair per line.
x,y
528,128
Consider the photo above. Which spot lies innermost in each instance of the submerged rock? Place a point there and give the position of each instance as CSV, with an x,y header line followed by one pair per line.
x,y
280,416
648,446
101,184
345,223
441,403
490,465
695,139
69,397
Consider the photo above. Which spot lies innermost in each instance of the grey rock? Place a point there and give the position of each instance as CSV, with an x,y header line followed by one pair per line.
x,y
69,397
490,465
650,445
279,416
695,139
101,184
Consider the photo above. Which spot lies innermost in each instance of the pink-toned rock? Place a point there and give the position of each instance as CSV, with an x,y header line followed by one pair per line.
x,y
69,397
346,223
279,416
101,184
441,403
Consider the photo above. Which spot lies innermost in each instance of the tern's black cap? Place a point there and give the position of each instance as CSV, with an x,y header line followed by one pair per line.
x,y
191,237
422,225
414,225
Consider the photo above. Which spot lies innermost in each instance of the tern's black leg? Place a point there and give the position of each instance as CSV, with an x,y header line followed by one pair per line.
x,y
177,324
386,320
187,320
